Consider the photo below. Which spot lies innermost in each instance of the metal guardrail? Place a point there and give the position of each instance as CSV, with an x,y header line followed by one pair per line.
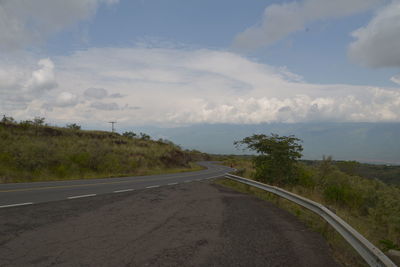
x,y
371,254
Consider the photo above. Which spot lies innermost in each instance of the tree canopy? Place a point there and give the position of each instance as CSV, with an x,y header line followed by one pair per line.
x,y
276,162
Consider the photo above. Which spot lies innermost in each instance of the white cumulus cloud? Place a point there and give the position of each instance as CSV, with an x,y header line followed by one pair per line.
x,y
22,82
280,20
377,44
66,99
42,78
176,87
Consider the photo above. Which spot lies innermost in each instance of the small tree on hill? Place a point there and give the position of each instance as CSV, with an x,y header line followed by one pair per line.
x,y
144,136
73,126
130,134
38,121
7,120
276,162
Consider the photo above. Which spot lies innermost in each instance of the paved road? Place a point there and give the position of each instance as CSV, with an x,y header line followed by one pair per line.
x,y
30,193
188,224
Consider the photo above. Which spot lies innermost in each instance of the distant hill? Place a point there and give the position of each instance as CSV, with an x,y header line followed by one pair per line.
x,y
364,142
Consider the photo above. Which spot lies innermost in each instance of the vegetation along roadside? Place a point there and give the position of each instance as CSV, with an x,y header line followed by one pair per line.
x,y
33,151
371,206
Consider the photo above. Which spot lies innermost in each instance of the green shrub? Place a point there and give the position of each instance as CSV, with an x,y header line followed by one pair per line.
x,y
130,134
370,206
278,155
306,177
388,245
73,126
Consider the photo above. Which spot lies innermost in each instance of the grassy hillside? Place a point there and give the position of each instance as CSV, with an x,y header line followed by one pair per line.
x,y
386,173
389,174
31,151
369,205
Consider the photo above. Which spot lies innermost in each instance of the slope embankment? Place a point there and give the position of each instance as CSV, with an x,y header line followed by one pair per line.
x,y
30,152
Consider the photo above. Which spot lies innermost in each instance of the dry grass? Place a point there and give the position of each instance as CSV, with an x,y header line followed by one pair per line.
x,y
40,153
341,250
370,206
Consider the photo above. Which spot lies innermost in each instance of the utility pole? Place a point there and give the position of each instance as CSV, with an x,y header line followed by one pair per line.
x,y
112,125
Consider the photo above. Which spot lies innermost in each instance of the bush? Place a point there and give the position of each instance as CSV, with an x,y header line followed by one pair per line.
x,y
73,126
7,120
370,206
388,245
306,177
278,155
38,121
144,136
129,134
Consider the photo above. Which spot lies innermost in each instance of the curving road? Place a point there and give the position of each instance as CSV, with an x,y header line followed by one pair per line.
x,y
20,194
179,219
188,224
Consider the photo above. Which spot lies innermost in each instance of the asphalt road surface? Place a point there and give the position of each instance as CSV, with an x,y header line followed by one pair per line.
x,y
187,224
19,194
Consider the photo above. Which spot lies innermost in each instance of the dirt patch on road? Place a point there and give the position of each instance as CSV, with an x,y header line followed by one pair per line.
x,y
196,224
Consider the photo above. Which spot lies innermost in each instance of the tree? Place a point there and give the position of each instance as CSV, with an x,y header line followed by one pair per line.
x,y
144,136
130,134
7,120
38,121
73,126
278,155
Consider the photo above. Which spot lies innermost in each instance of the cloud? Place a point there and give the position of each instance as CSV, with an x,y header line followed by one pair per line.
x,y
105,106
116,95
20,84
379,105
170,87
66,99
97,93
24,22
280,20
396,79
377,44
100,93
42,78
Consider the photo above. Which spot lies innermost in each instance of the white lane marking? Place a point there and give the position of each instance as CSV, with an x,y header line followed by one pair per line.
x,y
172,183
153,186
89,195
16,205
188,181
124,190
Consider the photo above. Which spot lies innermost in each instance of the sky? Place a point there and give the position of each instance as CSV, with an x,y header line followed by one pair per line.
x,y
188,62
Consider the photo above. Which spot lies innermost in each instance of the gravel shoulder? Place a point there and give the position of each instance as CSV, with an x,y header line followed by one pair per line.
x,y
192,224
